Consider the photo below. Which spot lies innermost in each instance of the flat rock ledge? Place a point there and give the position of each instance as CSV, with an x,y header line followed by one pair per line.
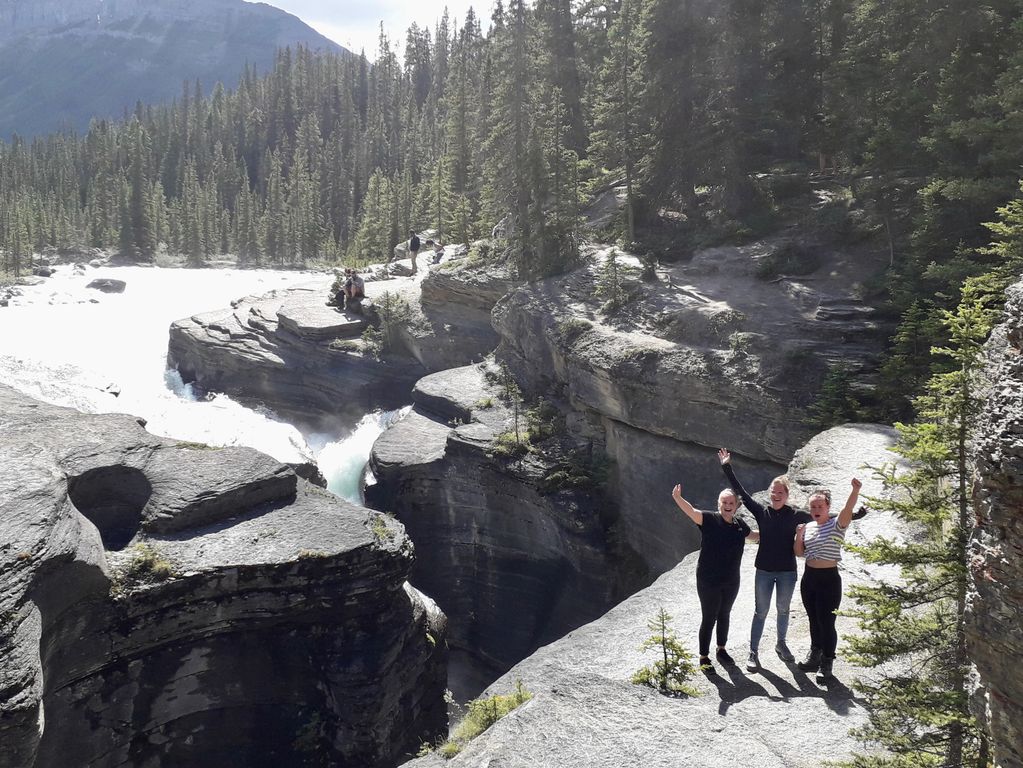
x,y
167,603
585,710
288,351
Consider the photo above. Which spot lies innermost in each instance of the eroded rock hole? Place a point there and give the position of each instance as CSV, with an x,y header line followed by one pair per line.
x,y
112,498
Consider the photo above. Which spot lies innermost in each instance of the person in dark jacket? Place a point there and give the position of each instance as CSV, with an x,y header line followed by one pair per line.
x,y
413,248
717,571
775,563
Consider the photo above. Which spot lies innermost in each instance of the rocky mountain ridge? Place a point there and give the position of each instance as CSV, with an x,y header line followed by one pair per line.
x,y
64,63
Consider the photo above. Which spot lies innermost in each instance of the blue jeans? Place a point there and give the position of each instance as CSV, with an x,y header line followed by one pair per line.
x,y
764,584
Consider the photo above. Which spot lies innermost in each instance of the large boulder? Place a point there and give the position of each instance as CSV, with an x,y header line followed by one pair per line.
x,y
994,618
585,710
168,603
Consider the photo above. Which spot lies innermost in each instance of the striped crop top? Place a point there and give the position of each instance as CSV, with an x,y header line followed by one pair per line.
x,y
824,542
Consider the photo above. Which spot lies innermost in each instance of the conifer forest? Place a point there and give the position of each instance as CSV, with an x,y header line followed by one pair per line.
x,y
711,116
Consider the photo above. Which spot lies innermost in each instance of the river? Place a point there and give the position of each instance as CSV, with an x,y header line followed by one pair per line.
x,y
106,353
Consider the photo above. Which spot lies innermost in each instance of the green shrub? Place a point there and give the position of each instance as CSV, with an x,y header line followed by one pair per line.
x,y
484,403
508,445
381,529
481,714
146,566
571,328
346,345
789,259
670,673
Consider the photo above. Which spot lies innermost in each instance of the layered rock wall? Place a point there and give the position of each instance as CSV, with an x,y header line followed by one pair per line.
x,y
511,565
168,604
586,711
995,602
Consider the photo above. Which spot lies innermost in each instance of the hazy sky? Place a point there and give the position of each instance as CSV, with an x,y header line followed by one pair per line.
x,y
355,24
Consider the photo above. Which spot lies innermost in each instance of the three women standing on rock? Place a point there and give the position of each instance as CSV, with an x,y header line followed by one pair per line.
x,y
717,571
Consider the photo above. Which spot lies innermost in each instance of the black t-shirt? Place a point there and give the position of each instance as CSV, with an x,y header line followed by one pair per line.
x,y
721,551
777,529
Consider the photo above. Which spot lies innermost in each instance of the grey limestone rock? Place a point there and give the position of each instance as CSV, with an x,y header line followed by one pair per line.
x,y
995,602
166,603
278,350
511,565
585,710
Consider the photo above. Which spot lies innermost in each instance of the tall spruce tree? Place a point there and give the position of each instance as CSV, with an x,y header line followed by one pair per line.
x,y
921,714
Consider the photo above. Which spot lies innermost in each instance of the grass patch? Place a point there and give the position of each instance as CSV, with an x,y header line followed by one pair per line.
x,y
572,328
188,445
480,714
508,445
146,566
345,345
484,403
382,530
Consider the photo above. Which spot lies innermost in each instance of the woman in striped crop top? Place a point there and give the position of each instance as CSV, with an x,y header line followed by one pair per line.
x,y
820,543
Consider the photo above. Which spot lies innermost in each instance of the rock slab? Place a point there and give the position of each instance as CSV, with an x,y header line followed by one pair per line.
x,y
166,604
585,710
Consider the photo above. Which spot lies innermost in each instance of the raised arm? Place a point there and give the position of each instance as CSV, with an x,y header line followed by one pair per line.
x,y
691,512
846,515
799,546
726,465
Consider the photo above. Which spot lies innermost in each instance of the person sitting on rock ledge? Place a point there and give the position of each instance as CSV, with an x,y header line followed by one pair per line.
x,y
355,291
723,536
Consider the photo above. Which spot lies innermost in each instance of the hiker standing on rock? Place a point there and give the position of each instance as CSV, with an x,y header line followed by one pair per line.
x,y
413,248
821,587
775,563
717,571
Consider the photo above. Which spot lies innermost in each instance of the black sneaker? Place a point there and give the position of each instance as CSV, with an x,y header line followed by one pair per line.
x,y
724,657
753,662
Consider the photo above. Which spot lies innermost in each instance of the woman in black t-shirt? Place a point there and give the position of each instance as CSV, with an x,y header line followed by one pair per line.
x,y
717,571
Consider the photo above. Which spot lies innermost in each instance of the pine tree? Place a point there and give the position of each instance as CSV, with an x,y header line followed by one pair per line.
x,y
921,714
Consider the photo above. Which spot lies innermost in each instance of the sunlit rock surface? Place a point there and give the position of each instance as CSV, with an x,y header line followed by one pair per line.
x,y
275,625
585,710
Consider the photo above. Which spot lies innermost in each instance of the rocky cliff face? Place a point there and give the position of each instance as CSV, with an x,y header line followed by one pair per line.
x,y
585,710
995,603
512,562
167,604
277,350
710,354
65,62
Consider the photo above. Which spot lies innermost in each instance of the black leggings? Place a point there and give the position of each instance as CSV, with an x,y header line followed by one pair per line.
x,y
716,604
821,590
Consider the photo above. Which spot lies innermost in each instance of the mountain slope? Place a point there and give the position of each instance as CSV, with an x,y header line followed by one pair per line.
x,y
65,62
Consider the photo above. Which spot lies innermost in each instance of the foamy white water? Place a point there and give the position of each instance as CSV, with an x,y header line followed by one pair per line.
x,y
343,460
72,346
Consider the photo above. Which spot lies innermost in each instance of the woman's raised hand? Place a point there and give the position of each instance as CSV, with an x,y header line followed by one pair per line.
x,y
724,456
676,492
856,484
